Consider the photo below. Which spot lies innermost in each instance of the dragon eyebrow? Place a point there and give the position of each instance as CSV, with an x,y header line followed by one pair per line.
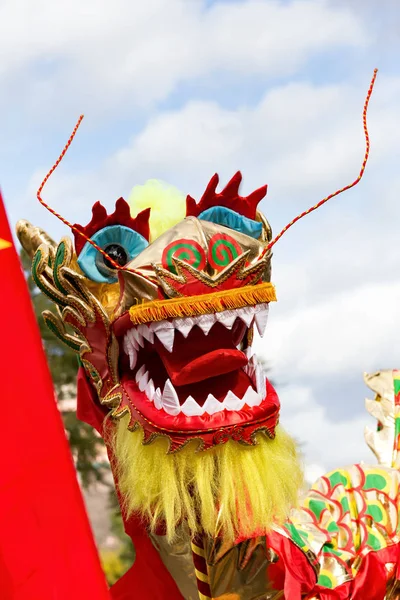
x,y
65,221
347,187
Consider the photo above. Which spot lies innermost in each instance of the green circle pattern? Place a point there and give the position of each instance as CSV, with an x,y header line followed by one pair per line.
x,y
187,252
222,257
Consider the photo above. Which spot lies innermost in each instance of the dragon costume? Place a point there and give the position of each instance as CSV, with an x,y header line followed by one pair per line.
x,y
160,300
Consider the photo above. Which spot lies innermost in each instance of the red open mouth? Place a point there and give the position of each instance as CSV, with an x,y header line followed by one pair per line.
x,y
195,371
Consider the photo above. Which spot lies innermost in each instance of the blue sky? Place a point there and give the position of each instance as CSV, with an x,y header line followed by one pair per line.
x,y
180,89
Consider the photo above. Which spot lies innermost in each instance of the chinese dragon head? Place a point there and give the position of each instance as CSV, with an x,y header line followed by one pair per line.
x,y
160,300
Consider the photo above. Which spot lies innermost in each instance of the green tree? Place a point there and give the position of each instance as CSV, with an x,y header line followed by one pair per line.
x,y
126,553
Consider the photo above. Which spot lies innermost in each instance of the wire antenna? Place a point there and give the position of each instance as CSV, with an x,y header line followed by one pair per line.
x,y
56,214
344,189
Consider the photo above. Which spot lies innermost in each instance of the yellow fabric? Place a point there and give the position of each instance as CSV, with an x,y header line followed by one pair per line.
x,y
167,203
231,487
201,576
189,306
4,244
197,550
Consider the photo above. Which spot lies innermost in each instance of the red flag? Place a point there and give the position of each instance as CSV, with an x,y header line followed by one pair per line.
x,y
47,550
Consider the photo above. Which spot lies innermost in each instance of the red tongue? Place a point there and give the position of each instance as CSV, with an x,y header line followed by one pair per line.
x,y
199,357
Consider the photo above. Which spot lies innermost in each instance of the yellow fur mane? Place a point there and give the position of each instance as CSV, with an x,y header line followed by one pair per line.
x,y
232,488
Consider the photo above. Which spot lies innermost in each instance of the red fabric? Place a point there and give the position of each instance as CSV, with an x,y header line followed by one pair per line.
x,y
148,578
293,572
47,550
371,580
88,408
217,428
198,357
228,197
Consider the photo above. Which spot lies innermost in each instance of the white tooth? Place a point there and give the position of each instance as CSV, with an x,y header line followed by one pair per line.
x,y
261,318
227,318
249,352
250,368
260,307
140,373
212,405
143,382
205,322
184,325
130,351
260,382
138,337
150,391
251,398
246,314
156,325
146,332
190,408
132,339
158,399
166,337
253,360
232,402
170,401
132,358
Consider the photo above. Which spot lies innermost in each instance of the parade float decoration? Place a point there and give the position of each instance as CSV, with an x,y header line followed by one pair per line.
x,y
160,300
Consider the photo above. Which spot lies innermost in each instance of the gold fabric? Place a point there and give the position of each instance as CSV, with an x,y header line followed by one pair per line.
x,y
236,572
32,237
136,288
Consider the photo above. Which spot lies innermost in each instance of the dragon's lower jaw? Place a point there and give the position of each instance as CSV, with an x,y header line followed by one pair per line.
x,y
194,373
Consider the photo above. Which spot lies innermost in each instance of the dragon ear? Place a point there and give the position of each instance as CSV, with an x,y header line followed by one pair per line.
x,y
32,237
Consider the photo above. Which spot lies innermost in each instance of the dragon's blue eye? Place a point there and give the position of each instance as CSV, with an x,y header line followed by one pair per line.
x,y
121,243
230,218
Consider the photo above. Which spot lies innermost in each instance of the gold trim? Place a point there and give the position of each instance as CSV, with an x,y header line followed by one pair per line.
x,y
190,306
197,550
201,576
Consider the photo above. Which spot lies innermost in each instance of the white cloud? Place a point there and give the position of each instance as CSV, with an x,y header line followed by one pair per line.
x,y
348,333
112,54
312,472
325,444
300,137
303,139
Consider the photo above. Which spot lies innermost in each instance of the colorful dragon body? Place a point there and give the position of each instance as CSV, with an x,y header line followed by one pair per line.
x,y
160,300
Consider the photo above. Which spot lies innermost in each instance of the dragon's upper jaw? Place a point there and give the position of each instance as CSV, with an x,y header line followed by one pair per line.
x,y
194,366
